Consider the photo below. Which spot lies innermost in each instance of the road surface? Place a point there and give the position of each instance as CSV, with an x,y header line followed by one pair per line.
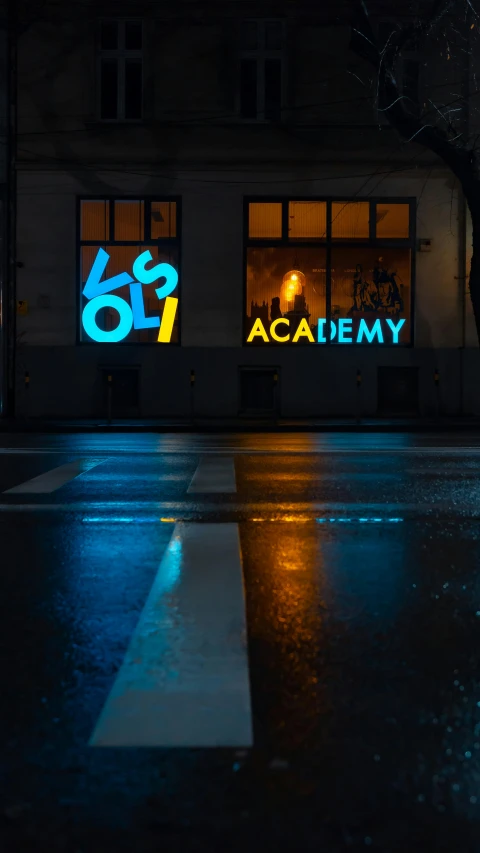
x,y
240,642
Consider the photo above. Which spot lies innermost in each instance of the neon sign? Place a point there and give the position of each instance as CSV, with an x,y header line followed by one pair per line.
x,y
380,331
99,295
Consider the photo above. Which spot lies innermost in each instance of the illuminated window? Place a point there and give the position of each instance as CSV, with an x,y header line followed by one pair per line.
x,y
129,220
350,220
307,220
261,70
163,219
120,70
285,284
354,276
95,217
125,229
392,220
264,220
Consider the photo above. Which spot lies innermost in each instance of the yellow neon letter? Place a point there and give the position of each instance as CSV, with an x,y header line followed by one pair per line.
x,y
168,319
303,331
274,325
258,330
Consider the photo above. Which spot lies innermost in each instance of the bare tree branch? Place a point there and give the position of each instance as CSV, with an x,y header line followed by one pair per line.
x,y
392,102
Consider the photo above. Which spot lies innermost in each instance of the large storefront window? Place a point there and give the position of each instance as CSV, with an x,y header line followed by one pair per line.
x,y
129,259
327,271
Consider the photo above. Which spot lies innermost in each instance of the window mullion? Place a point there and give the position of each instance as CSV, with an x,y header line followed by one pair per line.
x,y
147,220
328,274
112,219
285,221
372,225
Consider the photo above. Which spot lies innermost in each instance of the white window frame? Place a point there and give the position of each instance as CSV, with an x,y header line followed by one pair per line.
x,y
120,55
260,54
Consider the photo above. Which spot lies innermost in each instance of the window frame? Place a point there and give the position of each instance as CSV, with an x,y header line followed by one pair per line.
x,y
147,242
328,244
260,55
120,55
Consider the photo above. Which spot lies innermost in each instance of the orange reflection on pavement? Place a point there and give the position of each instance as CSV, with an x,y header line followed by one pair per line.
x,y
285,598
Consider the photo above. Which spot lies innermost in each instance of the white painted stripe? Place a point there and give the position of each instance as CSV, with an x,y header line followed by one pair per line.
x,y
214,475
184,681
54,479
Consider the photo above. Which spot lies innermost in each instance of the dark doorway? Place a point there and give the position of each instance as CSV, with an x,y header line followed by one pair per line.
x,y
258,390
398,391
125,387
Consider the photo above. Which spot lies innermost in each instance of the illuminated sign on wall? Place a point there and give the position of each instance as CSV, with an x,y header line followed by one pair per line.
x,y
376,331
131,315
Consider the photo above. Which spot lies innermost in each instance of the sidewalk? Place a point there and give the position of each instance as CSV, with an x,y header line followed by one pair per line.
x,y
90,425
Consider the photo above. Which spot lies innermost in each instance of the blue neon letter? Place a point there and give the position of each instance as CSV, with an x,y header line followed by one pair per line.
x,y
344,326
171,280
395,329
158,271
95,287
364,330
90,325
138,308
320,336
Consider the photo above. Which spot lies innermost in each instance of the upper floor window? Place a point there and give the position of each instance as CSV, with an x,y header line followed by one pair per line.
x,y
261,69
120,70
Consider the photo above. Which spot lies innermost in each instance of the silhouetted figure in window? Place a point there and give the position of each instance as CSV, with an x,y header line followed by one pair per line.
x,y
388,291
275,312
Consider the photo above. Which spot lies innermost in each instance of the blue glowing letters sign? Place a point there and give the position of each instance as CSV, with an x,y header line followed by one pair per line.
x,y
99,295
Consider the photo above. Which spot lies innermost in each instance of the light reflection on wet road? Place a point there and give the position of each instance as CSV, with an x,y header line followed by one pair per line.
x,y
362,593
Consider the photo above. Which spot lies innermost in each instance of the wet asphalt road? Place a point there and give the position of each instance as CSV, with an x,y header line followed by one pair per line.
x,y
360,560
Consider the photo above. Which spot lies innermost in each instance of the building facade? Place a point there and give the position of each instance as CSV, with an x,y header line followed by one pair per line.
x,y
207,191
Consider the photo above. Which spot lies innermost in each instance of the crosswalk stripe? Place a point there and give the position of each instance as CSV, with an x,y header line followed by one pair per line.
x,y
184,681
213,476
52,480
